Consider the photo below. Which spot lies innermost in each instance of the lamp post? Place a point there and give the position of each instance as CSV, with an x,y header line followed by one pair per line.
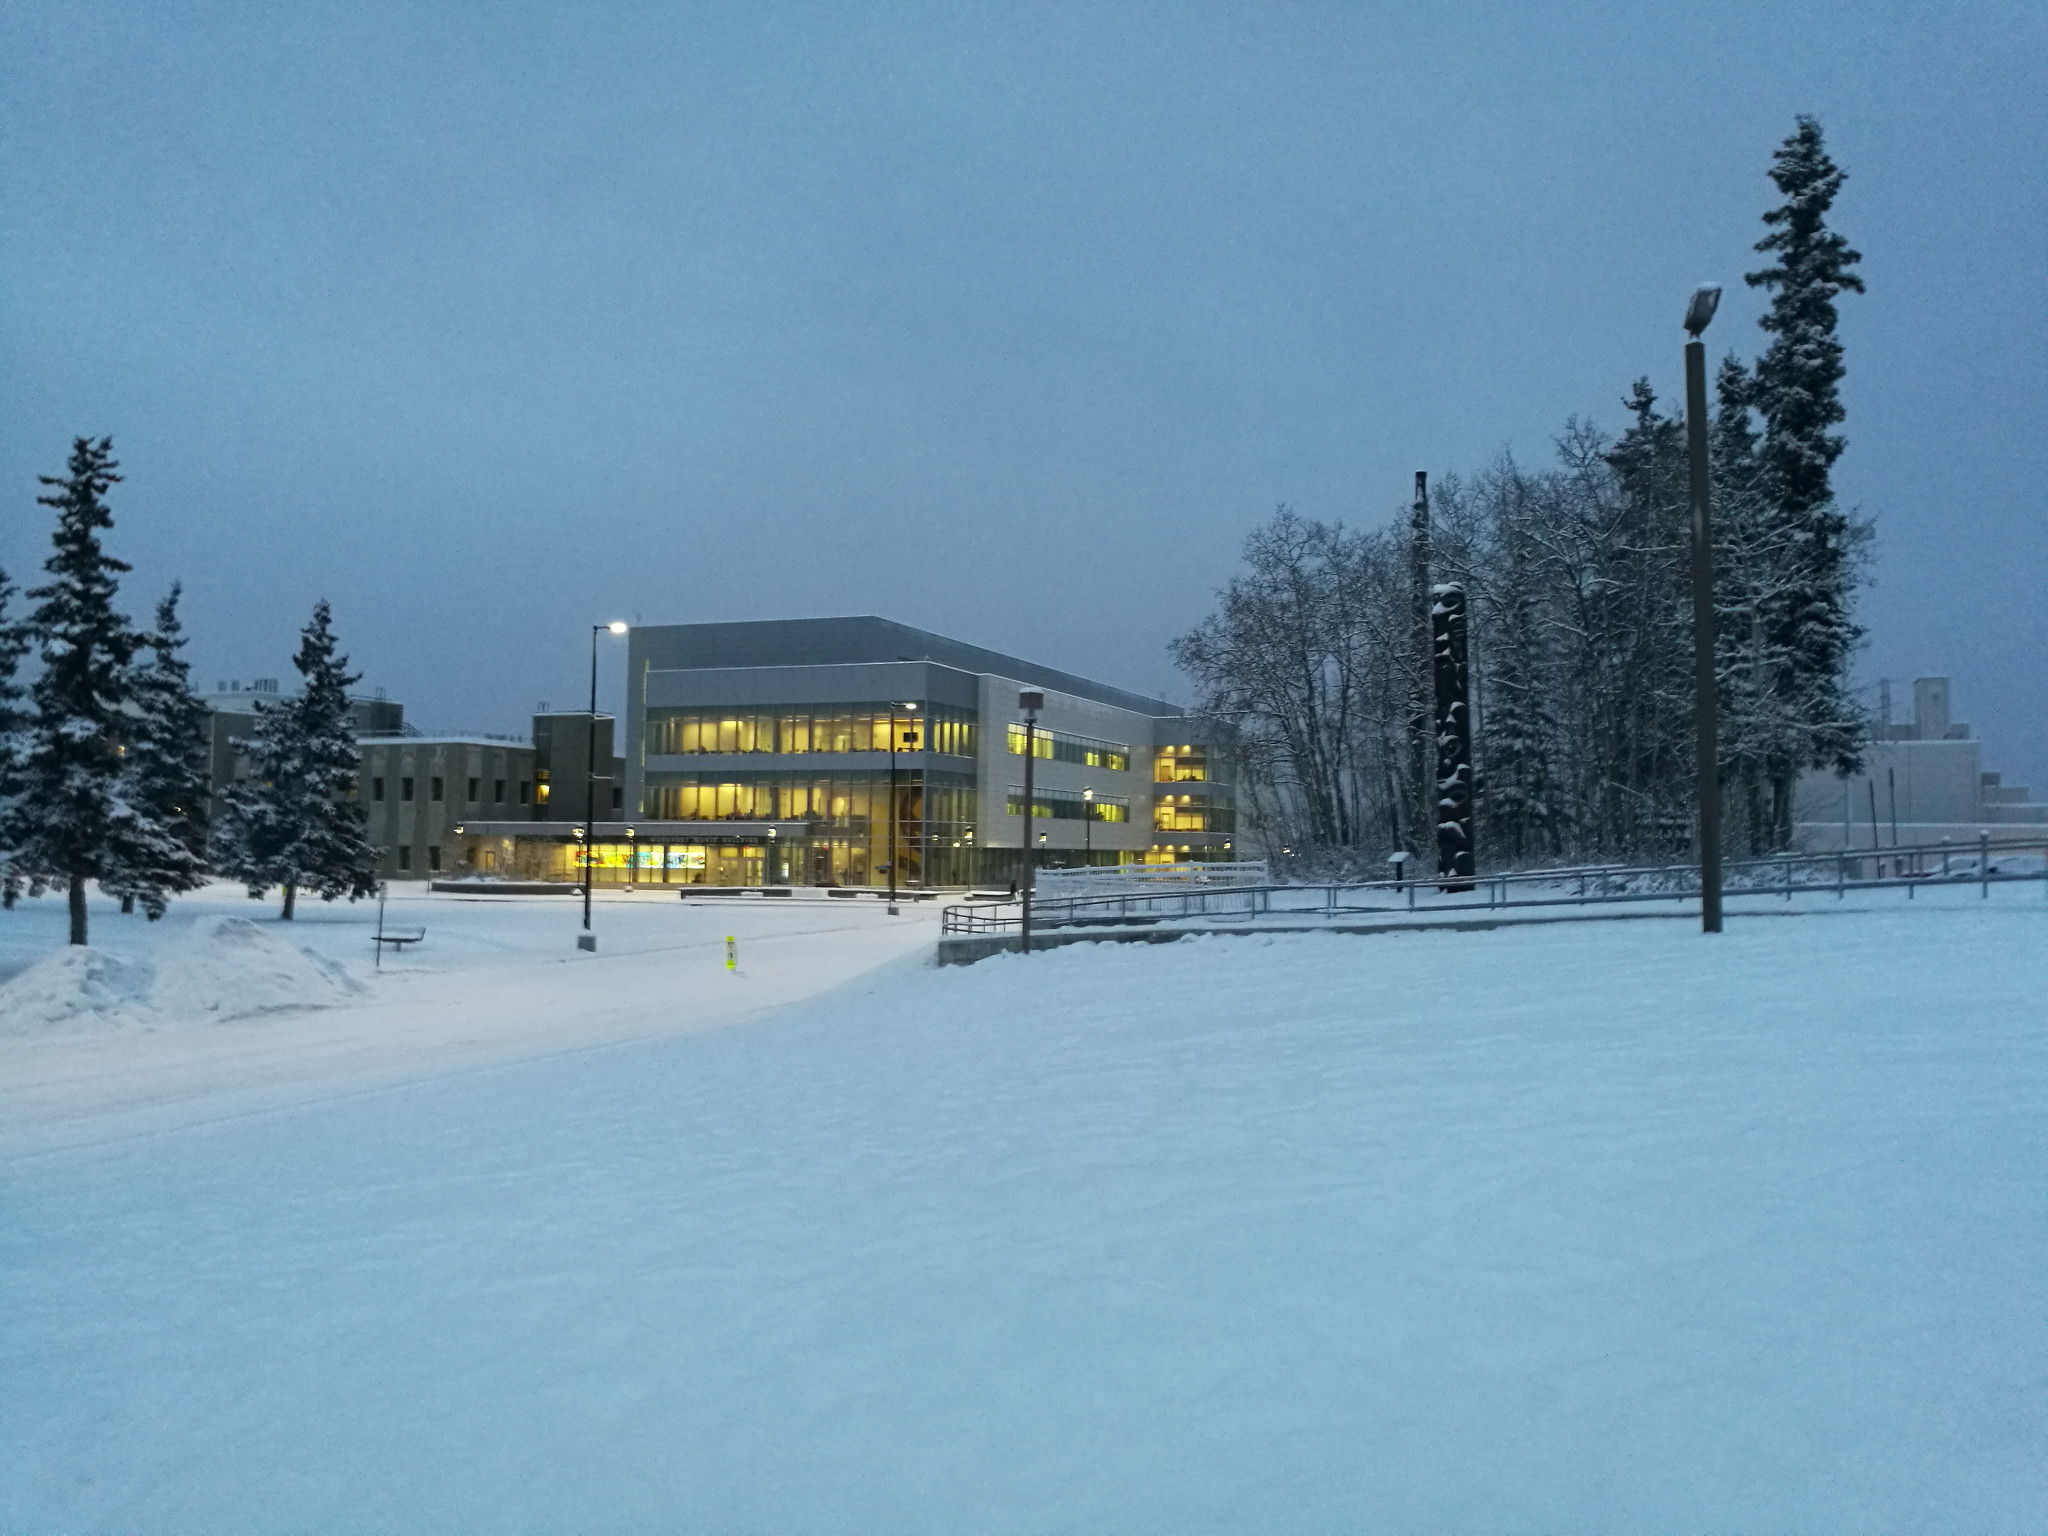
x,y
586,939
1088,826
1030,701
910,745
1698,314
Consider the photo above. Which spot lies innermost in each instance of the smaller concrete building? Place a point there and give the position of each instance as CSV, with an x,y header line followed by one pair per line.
x,y
427,799
231,711
417,791
1923,781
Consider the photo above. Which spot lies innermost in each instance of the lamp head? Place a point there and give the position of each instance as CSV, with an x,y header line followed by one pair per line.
x,y
618,626
1031,700
1700,312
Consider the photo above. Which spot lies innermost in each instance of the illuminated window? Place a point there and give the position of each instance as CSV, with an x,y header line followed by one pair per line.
x,y
1066,805
1180,765
820,728
1192,813
1066,748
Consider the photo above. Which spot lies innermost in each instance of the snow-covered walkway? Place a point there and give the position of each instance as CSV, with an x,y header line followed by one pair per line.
x,y
496,979
1587,1227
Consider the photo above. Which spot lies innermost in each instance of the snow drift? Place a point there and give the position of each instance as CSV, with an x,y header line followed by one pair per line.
x,y
230,968
77,987
220,968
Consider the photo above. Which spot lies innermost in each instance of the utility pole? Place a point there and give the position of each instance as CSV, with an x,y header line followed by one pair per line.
x,y
1706,699
910,745
1031,701
586,939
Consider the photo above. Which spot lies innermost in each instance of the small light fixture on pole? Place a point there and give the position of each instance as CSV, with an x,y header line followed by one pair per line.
x,y
1698,315
909,745
1030,701
1088,825
586,939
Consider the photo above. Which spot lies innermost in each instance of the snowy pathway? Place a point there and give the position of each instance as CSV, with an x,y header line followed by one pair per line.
x,y
497,979
1588,1228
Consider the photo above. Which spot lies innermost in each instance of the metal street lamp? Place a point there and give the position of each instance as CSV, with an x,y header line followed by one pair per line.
x,y
1088,826
1030,701
586,939
1699,313
909,746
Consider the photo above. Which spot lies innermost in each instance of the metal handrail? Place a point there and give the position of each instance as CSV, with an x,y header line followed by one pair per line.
x,y
1595,885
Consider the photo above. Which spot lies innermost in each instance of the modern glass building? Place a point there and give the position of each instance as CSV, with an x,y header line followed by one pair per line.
x,y
821,751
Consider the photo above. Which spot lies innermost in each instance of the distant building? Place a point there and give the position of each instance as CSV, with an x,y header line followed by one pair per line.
x,y
1923,780
419,791
231,721
758,753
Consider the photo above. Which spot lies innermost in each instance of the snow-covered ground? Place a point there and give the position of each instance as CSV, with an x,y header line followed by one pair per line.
x,y
190,1027
1601,1226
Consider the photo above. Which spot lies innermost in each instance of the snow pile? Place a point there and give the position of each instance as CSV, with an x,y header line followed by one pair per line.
x,y
230,968
219,968
75,988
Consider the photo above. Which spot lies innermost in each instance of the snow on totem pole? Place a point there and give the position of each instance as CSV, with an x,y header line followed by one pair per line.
x,y
1421,795
1454,861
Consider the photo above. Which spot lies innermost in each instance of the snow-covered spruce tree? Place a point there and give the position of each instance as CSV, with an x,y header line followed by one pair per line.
x,y
1798,394
1755,564
166,777
1641,738
70,815
1516,798
14,643
295,822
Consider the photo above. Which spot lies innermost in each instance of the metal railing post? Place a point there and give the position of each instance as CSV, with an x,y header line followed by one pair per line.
x,y
1983,863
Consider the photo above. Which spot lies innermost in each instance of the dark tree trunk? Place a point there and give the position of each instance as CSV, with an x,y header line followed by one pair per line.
x,y
291,899
77,895
127,906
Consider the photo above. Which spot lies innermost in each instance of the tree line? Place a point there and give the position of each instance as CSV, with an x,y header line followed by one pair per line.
x,y
1577,573
105,754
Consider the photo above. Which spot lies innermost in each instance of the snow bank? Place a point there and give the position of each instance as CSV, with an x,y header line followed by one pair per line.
x,y
230,968
75,988
219,968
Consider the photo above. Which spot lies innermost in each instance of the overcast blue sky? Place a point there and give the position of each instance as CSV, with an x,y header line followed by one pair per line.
x,y
490,322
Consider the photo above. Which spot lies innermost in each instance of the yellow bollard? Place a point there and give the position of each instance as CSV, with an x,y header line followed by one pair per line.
x,y
732,953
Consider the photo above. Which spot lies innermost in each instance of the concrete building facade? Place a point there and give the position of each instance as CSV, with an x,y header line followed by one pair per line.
x,y
760,754
1923,780
430,802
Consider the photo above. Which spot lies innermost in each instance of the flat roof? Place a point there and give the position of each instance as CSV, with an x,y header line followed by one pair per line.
x,y
863,638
